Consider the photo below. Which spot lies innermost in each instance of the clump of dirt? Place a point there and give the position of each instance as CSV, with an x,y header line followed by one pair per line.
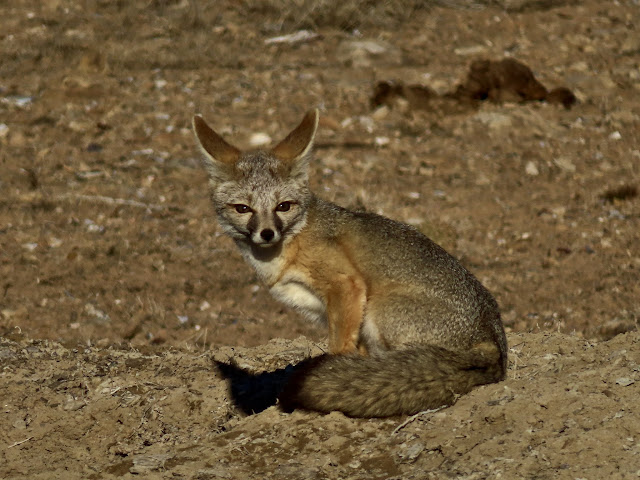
x,y
506,80
621,193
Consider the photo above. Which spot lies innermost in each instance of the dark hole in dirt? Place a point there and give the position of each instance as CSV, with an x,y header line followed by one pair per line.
x,y
623,192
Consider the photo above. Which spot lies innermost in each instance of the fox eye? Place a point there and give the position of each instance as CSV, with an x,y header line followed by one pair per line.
x,y
240,208
283,207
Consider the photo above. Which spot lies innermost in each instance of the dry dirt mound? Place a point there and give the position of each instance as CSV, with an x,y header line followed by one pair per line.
x,y
106,232
566,410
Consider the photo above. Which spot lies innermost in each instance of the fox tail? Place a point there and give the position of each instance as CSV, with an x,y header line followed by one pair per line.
x,y
397,382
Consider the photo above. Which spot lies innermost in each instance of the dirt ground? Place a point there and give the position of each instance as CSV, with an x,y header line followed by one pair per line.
x,y
119,294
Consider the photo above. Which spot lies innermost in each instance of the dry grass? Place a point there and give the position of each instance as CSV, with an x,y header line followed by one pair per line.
x,y
345,15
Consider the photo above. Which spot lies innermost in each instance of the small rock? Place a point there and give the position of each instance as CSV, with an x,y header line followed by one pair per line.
x,y
145,463
54,242
410,453
259,139
625,381
298,37
19,101
565,164
74,404
17,315
472,50
367,123
5,352
615,136
363,53
95,315
493,120
378,114
531,169
79,127
30,246
20,424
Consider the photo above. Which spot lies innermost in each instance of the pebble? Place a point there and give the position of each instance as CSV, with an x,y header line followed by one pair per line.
x,y
565,164
625,381
363,53
531,168
378,114
493,120
382,141
410,453
142,464
472,50
95,315
615,136
296,37
259,139
19,101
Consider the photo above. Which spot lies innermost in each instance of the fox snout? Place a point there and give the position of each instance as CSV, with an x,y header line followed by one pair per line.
x,y
265,237
264,230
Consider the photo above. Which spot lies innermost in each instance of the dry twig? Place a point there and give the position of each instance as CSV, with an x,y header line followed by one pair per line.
x,y
414,417
19,443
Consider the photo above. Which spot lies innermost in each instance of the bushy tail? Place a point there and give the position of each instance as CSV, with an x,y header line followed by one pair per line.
x,y
397,382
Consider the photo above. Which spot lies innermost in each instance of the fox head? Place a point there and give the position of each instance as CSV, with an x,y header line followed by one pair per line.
x,y
260,196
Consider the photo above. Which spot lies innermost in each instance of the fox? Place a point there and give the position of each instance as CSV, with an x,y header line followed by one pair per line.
x,y
409,328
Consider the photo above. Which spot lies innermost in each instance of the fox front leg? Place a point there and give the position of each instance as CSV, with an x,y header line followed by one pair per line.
x,y
346,300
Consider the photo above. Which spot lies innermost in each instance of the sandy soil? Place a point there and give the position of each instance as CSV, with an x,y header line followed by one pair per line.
x,y
119,295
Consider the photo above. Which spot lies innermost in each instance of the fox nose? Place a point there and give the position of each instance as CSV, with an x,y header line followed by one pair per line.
x,y
267,234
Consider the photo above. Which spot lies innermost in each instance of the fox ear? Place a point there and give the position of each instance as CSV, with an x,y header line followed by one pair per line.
x,y
219,155
295,149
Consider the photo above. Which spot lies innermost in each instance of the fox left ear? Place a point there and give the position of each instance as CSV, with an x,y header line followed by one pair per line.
x,y
295,149
219,155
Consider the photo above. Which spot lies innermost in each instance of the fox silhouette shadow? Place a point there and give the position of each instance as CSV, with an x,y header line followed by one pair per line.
x,y
254,392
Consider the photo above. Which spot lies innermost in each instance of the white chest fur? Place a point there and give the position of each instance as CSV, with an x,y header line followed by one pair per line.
x,y
290,287
294,292
268,268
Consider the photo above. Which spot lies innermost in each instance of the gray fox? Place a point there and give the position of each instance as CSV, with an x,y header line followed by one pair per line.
x,y
410,329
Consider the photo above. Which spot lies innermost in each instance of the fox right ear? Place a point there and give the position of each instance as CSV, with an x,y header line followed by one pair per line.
x,y
298,144
219,155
